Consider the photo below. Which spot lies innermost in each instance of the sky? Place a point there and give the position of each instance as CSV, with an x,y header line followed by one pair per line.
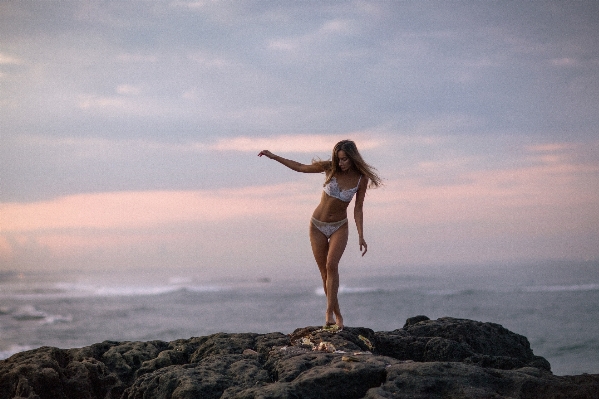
x,y
129,132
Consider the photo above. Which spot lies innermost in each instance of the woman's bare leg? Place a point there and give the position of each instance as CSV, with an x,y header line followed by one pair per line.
x,y
337,244
327,253
320,249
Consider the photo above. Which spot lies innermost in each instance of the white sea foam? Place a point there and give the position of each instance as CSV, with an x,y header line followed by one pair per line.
x,y
133,290
450,292
29,312
561,288
349,290
56,318
85,290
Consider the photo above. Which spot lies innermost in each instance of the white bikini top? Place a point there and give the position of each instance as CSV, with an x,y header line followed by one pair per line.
x,y
332,190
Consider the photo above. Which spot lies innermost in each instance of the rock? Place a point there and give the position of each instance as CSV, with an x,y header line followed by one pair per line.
x,y
127,358
441,358
54,374
321,376
209,378
459,340
414,320
437,380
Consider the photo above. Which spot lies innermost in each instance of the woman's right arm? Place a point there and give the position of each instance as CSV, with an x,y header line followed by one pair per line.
x,y
293,165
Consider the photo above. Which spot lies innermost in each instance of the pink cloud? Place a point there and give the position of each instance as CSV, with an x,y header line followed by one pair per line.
x,y
129,210
534,195
291,143
106,220
538,203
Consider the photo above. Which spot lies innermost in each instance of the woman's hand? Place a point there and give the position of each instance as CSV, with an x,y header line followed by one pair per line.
x,y
363,244
267,153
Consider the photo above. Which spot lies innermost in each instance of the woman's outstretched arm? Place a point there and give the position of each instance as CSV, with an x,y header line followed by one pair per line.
x,y
293,165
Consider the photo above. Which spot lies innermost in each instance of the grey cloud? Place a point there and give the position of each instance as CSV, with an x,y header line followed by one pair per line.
x,y
180,72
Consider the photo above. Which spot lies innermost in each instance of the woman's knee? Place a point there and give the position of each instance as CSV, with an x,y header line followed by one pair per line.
x,y
332,267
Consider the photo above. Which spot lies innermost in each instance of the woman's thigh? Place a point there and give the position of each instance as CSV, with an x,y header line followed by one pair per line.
x,y
337,244
320,246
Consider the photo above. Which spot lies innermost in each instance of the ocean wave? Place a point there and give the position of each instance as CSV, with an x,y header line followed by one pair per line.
x,y
29,312
203,288
561,288
131,290
349,290
451,292
86,290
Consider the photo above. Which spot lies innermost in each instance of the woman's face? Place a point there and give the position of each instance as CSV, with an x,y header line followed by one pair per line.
x,y
344,162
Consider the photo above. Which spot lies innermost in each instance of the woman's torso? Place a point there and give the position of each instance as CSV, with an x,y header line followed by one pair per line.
x,y
331,208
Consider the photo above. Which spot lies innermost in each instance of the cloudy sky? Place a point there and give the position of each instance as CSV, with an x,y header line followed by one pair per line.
x,y
129,131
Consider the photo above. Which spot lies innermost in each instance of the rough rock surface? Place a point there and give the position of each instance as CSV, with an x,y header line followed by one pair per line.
x,y
443,358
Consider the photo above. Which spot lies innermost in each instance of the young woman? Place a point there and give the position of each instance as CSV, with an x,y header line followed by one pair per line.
x,y
346,175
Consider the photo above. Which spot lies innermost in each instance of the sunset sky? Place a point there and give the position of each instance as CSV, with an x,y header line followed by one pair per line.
x,y
129,131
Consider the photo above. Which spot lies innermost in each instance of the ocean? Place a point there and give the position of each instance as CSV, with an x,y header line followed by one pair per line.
x,y
554,304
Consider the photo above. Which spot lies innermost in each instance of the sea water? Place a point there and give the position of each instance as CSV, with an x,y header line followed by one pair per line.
x,y
555,305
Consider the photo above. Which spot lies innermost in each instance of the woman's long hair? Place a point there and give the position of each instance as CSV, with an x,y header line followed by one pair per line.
x,y
349,147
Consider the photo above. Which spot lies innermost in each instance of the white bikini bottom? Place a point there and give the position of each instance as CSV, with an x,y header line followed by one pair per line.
x,y
328,228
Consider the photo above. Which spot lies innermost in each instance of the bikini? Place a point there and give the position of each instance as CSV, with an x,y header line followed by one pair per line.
x,y
332,190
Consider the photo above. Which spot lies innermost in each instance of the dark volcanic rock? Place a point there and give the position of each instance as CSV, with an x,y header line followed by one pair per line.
x,y
459,340
209,378
439,380
321,375
55,373
426,358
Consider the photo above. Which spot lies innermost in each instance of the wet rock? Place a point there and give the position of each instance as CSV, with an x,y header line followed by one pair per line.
x,y
426,358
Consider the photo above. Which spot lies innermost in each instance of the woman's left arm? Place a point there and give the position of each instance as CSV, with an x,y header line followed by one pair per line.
x,y
359,213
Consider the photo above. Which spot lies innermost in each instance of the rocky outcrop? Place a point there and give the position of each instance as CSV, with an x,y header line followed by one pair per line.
x,y
457,340
443,358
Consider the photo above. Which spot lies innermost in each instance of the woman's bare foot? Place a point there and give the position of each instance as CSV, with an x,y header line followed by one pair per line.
x,y
329,319
339,321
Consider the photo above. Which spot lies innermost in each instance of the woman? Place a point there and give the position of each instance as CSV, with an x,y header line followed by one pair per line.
x,y
346,174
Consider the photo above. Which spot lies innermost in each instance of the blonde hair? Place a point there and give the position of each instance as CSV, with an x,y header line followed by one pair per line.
x,y
351,150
